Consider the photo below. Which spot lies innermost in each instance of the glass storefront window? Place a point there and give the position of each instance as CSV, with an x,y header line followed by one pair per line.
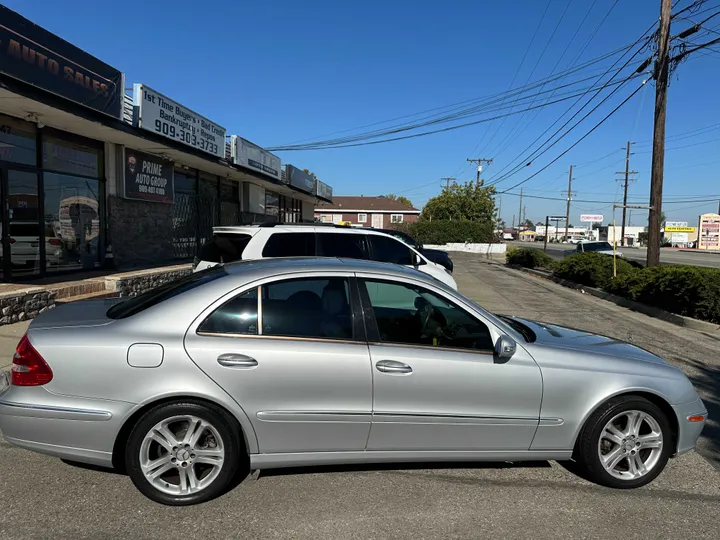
x,y
272,203
17,141
71,158
72,222
229,203
185,215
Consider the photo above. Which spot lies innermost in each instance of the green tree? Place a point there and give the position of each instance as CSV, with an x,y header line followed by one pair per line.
x,y
529,224
471,201
400,199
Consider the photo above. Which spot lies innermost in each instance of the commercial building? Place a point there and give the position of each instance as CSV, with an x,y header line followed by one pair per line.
x,y
92,175
378,212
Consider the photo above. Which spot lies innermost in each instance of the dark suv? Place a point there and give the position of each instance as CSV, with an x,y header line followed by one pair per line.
x,y
435,255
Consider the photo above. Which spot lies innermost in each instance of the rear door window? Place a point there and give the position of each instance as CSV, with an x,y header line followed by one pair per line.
x,y
290,245
349,246
224,248
389,250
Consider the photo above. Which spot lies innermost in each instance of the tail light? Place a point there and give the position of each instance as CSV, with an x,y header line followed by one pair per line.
x,y
12,241
28,367
55,242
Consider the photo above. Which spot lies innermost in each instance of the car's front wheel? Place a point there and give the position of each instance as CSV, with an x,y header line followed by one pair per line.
x,y
625,444
183,453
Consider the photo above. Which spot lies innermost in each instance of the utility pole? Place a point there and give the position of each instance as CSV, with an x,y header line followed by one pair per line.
x,y
499,214
479,162
513,222
627,173
569,196
658,152
447,181
521,207
524,213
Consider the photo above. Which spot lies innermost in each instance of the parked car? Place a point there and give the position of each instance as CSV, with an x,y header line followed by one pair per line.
x,y
435,255
300,362
308,240
605,248
25,241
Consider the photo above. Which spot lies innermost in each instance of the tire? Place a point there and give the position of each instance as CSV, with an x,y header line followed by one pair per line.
x,y
623,445
193,449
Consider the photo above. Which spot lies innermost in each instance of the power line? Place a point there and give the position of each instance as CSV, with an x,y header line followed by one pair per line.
x,y
581,138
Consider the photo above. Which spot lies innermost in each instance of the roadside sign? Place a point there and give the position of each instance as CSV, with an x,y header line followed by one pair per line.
x,y
591,218
680,229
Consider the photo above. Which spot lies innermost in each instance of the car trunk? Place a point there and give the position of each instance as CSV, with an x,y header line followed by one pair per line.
x,y
82,313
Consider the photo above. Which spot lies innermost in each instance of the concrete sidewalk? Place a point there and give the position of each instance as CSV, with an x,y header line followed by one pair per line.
x,y
10,334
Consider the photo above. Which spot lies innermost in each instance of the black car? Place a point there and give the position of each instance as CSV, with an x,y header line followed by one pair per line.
x,y
435,255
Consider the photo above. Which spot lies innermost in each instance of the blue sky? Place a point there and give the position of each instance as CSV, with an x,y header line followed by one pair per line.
x,y
281,71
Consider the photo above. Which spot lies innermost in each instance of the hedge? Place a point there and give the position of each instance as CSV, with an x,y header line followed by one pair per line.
x,y
591,269
686,290
529,258
445,232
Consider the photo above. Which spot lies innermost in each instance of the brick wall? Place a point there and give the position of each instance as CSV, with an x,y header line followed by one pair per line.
x,y
140,232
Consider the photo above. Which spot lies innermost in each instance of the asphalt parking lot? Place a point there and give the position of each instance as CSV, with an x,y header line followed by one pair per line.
x,y
42,497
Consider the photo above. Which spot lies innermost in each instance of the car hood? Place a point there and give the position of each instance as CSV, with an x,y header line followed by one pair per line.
x,y
434,252
82,313
557,336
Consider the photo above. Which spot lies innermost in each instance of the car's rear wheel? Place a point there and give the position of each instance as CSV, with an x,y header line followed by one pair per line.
x,y
625,444
183,453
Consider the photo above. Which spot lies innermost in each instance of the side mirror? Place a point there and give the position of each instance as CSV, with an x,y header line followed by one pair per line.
x,y
505,347
417,260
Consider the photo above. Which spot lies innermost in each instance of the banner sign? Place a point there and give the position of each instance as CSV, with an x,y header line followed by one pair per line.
x,y
679,229
33,55
591,218
301,180
324,191
670,224
247,154
148,178
160,114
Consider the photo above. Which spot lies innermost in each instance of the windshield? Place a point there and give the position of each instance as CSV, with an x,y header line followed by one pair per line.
x,y
597,246
519,327
159,294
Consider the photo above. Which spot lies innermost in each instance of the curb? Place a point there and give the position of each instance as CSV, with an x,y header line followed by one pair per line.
x,y
650,311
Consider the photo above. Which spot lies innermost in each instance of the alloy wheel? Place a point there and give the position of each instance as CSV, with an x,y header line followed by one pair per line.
x,y
630,445
182,455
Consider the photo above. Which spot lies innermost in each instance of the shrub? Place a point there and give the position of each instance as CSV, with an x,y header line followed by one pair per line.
x,y
591,269
445,232
529,258
686,290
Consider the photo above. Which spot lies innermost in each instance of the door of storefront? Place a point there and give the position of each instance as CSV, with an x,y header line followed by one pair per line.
x,y
21,224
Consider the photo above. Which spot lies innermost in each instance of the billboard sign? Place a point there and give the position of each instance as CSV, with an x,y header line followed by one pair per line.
x,y
159,114
679,229
35,56
301,180
247,154
324,191
148,177
709,232
591,218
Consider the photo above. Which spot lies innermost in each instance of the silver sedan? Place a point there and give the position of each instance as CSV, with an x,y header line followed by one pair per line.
x,y
300,362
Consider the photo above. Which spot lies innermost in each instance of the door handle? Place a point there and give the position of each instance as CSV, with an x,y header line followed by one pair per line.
x,y
392,366
236,360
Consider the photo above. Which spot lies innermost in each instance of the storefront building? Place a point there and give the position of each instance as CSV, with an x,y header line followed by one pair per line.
x,y
92,176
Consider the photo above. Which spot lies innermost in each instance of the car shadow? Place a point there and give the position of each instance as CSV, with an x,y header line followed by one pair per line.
x,y
381,467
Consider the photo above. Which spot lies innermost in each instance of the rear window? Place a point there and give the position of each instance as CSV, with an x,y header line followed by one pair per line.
x,y
25,229
290,245
159,294
349,246
597,246
224,248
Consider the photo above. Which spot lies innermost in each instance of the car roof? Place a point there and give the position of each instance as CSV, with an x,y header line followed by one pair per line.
x,y
254,229
282,265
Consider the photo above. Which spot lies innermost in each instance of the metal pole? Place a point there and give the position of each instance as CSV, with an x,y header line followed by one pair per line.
x,y
567,216
614,250
547,231
627,178
658,154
